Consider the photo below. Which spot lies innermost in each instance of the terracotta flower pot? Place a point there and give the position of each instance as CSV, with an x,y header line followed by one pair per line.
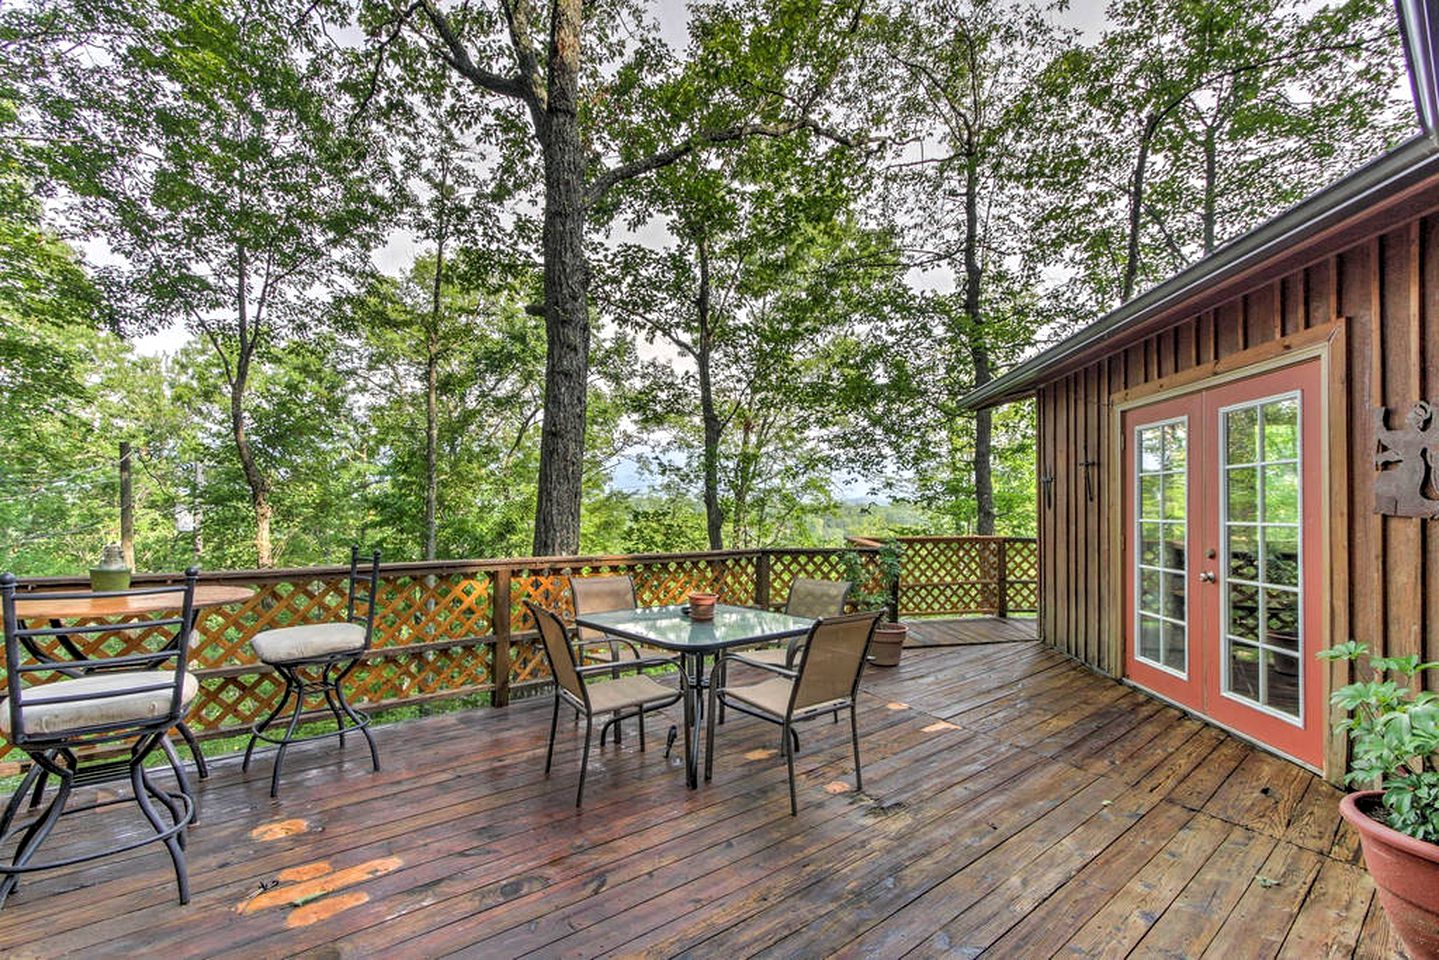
x,y
887,644
702,606
1405,870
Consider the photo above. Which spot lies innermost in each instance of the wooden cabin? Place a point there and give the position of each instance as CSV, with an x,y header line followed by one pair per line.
x,y
1237,470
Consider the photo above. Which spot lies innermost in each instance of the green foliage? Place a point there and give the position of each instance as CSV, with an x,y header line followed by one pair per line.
x,y
874,585
1394,737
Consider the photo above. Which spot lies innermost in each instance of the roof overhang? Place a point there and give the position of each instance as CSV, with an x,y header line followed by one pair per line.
x,y
1386,191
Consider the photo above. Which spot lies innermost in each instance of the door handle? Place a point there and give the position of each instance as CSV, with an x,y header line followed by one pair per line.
x,y
1207,576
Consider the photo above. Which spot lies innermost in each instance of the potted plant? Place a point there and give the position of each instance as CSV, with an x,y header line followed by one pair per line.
x,y
879,593
1394,739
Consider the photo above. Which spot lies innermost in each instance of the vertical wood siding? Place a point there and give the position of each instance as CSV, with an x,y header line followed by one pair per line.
x,y
1387,290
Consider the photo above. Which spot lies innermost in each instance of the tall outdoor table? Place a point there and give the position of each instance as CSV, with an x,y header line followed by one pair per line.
x,y
127,607
669,628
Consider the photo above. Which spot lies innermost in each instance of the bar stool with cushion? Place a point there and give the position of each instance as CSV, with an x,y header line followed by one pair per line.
x,y
314,659
622,696
825,680
133,698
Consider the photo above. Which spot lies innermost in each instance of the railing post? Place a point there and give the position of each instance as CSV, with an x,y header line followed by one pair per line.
x,y
1002,578
894,594
500,626
761,580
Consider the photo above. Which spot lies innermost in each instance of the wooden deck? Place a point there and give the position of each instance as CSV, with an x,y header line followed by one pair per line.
x,y
959,632
1017,806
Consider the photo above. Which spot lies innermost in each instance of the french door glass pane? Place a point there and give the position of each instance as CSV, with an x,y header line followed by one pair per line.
x,y
1260,512
1161,510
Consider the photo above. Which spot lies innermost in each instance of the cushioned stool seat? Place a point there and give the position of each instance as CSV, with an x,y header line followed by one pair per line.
x,y
44,717
307,642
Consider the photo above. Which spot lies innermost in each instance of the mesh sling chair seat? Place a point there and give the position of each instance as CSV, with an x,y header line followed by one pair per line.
x,y
826,679
623,696
133,698
314,659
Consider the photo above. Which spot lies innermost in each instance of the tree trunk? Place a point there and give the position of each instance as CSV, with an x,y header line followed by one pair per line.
x,y
567,322
1136,208
432,363
978,349
1211,175
714,518
254,478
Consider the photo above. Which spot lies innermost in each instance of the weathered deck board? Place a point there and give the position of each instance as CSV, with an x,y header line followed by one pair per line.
x,y
959,632
1017,805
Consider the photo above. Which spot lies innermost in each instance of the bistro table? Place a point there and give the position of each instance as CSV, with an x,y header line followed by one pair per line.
x,y
96,607
670,628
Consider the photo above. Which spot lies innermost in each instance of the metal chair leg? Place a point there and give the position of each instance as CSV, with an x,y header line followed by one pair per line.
x,y
854,735
181,777
176,812
789,760
18,797
172,844
289,735
714,701
202,769
584,762
36,833
39,793
554,722
642,728
264,724
355,719
334,708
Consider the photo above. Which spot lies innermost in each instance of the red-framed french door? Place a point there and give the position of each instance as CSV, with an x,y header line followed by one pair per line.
x,y
1223,554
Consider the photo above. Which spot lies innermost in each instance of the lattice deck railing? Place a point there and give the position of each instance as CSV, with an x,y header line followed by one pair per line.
x,y
957,576
447,628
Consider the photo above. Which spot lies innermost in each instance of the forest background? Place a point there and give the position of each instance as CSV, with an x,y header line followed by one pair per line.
x,y
498,277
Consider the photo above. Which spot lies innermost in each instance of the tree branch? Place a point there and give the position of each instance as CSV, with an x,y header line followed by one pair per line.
x,y
609,178
455,54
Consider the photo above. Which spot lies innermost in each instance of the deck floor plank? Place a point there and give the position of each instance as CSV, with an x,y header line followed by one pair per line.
x,y
1016,805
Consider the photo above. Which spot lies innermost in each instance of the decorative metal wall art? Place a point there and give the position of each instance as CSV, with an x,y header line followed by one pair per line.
x,y
1407,461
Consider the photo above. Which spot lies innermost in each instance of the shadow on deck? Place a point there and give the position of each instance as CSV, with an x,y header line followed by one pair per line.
x,y
1017,806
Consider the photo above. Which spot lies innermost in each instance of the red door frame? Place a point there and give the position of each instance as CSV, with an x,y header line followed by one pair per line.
x,y
1202,690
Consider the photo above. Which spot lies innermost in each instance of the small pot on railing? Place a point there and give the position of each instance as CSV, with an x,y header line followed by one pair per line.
x,y
702,606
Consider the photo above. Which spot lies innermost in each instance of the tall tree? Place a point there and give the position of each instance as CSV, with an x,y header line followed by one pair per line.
x,y
590,82
203,144
962,72
1188,123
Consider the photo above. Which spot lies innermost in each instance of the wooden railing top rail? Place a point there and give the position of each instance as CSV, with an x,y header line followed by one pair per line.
x,y
439,567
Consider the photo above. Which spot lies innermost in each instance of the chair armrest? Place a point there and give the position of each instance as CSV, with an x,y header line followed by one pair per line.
x,y
758,664
624,665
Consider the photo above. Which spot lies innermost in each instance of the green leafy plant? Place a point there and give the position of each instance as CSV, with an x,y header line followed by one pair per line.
x,y
873,589
1394,735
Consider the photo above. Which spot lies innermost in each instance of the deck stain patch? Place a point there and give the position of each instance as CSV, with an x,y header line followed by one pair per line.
x,y
300,894
324,909
305,871
836,786
940,725
761,754
896,705
278,829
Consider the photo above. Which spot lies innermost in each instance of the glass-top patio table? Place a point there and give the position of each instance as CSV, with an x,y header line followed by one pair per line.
x,y
669,628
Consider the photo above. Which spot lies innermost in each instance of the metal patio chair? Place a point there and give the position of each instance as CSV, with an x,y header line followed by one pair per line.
x,y
134,698
621,696
314,659
811,599
603,595
825,680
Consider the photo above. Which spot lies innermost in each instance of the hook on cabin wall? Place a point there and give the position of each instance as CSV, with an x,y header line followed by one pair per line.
x,y
1046,483
1089,464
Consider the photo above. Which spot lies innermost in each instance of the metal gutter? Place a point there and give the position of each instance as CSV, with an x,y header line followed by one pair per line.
x,y
1413,161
